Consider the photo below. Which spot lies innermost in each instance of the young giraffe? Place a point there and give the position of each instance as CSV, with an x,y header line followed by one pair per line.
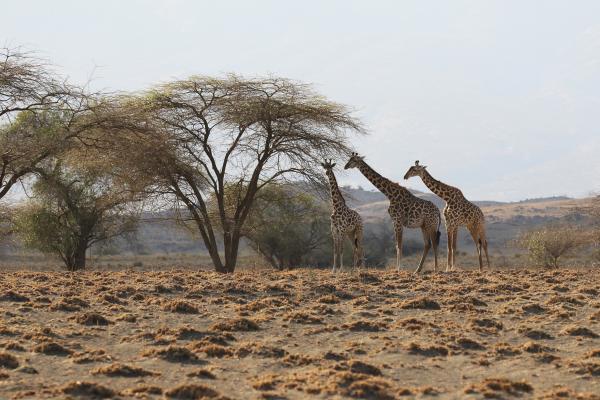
x,y
406,210
344,222
458,212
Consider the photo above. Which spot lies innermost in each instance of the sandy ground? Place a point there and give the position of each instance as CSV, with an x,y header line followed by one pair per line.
x,y
302,334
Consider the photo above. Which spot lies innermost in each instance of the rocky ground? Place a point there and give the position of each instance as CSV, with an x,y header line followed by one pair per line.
x,y
184,334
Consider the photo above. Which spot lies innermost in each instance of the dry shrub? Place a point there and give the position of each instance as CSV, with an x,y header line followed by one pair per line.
x,y
174,354
565,300
68,304
191,392
532,347
214,350
365,326
260,350
92,319
52,349
359,367
536,334
88,390
580,331
586,368
202,374
494,388
141,391
533,309
302,317
14,346
122,370
422,303
485,325
14,297
181,307
566,393
360,386
8,361
328,299
427,351
98,355
469,344
267,382
505,349
236,325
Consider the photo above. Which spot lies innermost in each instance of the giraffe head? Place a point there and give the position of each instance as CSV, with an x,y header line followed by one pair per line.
x,y
415,170
354,161
328,165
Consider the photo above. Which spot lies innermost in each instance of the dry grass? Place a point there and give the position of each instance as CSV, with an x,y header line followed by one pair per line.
x,y
182,334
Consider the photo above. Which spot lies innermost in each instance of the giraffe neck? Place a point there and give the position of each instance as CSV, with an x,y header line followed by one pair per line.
x,y
388,188
444,191
336,195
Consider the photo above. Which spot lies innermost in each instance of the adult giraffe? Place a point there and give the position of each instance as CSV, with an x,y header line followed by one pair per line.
x,y
406,210
458,212
344,222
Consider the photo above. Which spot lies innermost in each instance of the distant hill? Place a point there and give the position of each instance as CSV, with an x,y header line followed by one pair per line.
x,y
158,233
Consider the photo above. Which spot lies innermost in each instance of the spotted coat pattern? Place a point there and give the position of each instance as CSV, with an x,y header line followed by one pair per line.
x,y
458,212
345,222
406,210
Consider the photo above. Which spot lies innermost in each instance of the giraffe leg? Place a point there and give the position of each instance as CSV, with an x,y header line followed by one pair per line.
x,y
335,253
435,240
484,244
398,247
358,234
341,253
449,255
454,245
477,239
426,247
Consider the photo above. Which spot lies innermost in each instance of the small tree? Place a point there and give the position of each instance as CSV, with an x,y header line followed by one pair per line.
x,y
285,226
73,207
549,245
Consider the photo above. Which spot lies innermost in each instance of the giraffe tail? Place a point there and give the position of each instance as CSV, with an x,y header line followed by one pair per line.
x,y
438,234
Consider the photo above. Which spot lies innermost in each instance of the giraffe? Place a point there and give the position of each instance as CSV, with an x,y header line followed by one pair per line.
x,y
344,222
458,212
406,210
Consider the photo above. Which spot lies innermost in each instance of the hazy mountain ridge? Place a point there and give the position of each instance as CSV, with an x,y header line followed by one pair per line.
x,y
159,233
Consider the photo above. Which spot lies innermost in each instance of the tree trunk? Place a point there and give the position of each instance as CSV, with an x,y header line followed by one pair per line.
x,y
77,260
231,252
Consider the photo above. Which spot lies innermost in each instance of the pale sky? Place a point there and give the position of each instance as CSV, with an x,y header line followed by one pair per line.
x,y
499,98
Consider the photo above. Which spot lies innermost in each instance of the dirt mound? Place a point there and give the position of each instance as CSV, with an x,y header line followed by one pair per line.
x,y
52,349
496,388
421,303
92,319
88,390
192,392
8,361
173,354
180,306
123,370
236,325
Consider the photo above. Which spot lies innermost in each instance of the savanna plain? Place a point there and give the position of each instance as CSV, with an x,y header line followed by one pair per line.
x,y
375,334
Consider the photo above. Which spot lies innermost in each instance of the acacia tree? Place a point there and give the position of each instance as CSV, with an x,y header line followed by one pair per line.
x,y
194,138
34,104
27,84
76,203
